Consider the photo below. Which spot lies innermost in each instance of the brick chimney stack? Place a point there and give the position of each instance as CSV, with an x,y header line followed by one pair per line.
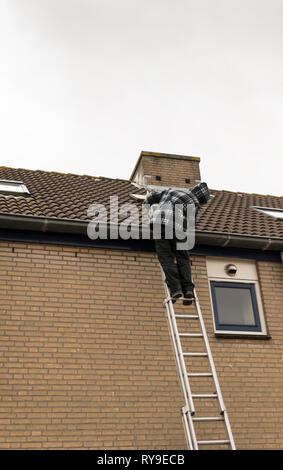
x,y
166,169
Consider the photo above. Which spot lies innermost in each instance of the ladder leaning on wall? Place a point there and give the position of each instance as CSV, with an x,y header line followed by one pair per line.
x,y
189,414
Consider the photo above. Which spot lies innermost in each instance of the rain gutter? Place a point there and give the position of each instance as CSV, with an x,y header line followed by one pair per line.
x,y
78,226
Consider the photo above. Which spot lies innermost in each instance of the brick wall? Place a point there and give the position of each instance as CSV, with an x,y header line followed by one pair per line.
x,y
86,360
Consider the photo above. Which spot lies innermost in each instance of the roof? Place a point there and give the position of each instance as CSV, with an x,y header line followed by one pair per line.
x,y
68,196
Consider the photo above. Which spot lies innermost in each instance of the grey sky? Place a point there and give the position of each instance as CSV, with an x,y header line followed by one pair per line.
x,y
87,84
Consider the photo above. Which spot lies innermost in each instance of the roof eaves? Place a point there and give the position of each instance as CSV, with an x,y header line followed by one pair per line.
x,y
79,226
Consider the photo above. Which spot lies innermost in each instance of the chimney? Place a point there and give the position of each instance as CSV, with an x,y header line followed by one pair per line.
x,y
164,169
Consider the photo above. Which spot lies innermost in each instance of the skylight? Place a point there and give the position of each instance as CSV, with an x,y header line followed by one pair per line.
x,y
13,187
273,212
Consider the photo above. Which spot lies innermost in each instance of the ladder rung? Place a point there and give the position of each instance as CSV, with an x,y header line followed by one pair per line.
x,y
191,335
214,442
186,316
205,395
200,374
195,354
208,418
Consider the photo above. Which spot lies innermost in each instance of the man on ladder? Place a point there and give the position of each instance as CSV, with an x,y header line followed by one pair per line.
x,y
172,209
170,214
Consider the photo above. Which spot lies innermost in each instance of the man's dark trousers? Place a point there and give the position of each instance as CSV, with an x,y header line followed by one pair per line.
x,y
178,275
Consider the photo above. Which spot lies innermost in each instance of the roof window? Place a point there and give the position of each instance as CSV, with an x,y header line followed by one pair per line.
x,y
271,211
15,188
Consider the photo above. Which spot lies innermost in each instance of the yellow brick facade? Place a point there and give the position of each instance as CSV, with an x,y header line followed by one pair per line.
x,y
86,360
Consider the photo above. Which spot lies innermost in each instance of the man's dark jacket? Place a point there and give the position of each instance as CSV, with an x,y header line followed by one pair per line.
x,y
169,206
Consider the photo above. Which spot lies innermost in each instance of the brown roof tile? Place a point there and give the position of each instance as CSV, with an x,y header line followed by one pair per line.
x,y
65,195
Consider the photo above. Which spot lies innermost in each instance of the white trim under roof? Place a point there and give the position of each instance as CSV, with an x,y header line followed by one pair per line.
x,y
13,187
271,211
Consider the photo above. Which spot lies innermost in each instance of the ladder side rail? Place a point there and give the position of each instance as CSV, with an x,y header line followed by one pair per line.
x,y
229,431
187,432
177,359
182,372
183,368
187,428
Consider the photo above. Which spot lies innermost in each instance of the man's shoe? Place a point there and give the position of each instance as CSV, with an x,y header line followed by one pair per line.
x,y
176,295
189,295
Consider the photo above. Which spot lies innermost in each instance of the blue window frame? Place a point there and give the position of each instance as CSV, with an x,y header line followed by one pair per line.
x,y
235,306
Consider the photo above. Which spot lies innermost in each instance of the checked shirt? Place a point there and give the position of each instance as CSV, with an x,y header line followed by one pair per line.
x,y
170,206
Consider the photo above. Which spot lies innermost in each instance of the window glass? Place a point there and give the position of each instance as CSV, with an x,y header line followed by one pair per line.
x,y
13,187
277,213
234,306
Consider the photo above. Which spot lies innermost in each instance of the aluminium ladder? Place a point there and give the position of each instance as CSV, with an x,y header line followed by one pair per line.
x,y
188,410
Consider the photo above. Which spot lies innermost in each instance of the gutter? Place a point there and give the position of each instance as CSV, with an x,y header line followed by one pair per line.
x,y
79,227
42,223
241,241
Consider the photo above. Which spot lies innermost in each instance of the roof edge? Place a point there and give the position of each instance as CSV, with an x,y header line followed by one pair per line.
x,y
78,226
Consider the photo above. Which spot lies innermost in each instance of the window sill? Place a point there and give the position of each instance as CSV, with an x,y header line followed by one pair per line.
x,y
242,335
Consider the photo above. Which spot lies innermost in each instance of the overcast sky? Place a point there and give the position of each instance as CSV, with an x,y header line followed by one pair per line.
x,y
86,85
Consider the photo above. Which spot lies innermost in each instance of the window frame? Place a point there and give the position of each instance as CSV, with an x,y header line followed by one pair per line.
x,y
269,211
19,184
257,328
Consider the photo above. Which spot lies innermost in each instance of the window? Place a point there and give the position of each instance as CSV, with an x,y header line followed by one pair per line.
x,y
13,187
272,212
235,297
235,306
